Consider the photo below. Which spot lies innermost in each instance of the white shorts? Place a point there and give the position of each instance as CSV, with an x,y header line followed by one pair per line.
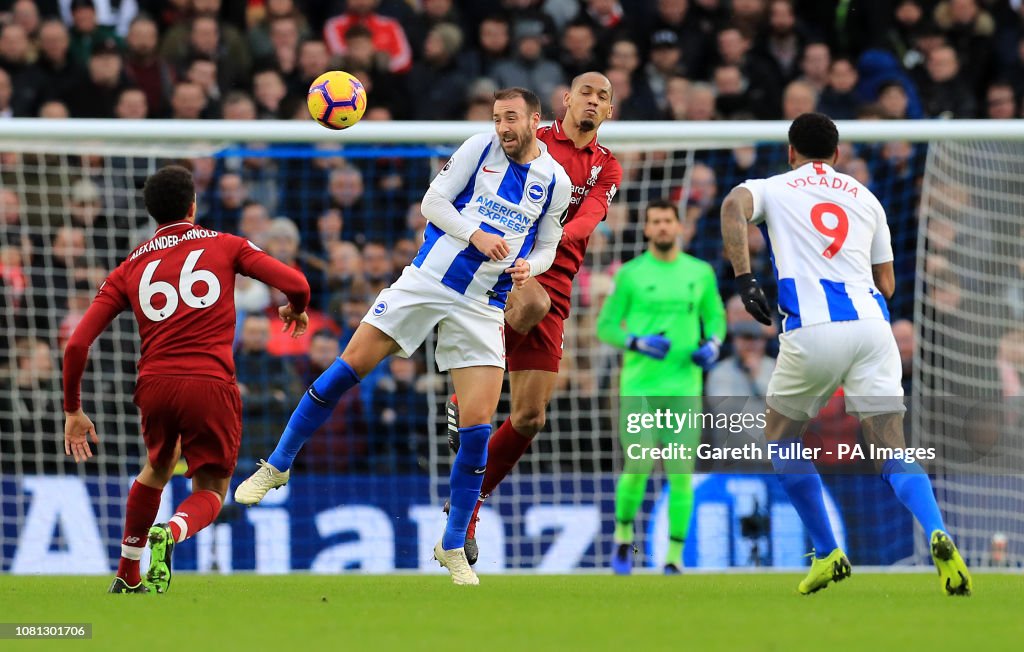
x,y
469,334
814,361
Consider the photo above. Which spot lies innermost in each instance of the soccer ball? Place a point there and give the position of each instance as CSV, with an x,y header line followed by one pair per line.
x,y
336,99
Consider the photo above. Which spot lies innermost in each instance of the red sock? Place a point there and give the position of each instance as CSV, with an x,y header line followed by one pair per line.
x,y
193,514
504,449
140,512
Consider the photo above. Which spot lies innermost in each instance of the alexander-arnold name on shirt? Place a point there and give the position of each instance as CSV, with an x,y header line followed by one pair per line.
x,y
168,241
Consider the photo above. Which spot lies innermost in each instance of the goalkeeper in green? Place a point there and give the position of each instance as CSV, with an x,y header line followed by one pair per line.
x,y
661,303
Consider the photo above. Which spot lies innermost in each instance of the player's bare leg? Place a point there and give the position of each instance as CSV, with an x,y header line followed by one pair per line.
x,y
802,484
527,306
479,388
368,346
140,512
911,484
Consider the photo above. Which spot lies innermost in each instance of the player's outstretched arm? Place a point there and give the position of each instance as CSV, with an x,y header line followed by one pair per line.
x,y
78,428
439,211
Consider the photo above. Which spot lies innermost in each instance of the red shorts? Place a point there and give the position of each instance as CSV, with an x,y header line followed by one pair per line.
x,y
204,413
538,350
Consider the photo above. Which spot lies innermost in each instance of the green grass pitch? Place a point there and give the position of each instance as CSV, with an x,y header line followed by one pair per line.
x,y
868,612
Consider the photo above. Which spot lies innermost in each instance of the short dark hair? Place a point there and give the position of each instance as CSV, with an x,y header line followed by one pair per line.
x,y
169,194
814,136
531,99
662,203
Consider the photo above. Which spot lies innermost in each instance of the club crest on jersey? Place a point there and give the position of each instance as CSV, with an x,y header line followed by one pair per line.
x,y
594,171
380,308
536,192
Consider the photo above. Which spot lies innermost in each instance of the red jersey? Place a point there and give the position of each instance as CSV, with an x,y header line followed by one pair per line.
x,y
595,174
181,286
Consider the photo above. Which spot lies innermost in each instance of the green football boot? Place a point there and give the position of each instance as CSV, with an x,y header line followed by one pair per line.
x,y
161,545
833,568
953,573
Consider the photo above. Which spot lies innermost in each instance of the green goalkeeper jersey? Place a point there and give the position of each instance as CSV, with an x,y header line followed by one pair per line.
x,y
674,298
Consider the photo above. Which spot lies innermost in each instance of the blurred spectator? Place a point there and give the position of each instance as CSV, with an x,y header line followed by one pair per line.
x,y
908,20
677,90
131,105
145,68
52,109
798,98
943,92
86,29
345,279
892,100
225,207
665,63
202,71
345,193
13,280
377,267
878,67
607,17
6,111
493,39
839,99
677,17
431,14
749,16
529,68
267,385
388,35
700,102
557,101
114,14
284,39
1010,362
815,64
388,89
630,104
95,96
282,27
579,49
30,398
188,101
400,429
313,60
254,223
402,255
340,443
26,79
969,30
731,101
1000,101
530,17
204,35
26,14
415,222
107,241
268,90
784,40
765,85
903,332
60,73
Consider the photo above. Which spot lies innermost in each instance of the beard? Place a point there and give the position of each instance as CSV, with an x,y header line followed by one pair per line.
x,y
664,246
586,124
522,146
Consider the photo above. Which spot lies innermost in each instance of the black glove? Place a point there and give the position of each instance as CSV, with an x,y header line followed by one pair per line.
x,y
754,299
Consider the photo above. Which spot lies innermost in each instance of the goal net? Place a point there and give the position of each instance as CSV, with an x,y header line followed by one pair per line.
x,y
970,354
367,491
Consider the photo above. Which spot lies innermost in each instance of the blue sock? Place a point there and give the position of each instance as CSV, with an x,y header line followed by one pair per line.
x,y
316,405
466,479
803,486
912,486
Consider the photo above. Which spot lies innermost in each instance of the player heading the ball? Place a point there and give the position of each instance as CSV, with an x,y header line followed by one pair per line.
x,y
495,215
833,261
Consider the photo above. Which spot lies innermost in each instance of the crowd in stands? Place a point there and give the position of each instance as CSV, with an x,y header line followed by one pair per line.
x,y
352,223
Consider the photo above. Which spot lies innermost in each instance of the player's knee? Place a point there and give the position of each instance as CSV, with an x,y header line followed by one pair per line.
x,y
529,421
